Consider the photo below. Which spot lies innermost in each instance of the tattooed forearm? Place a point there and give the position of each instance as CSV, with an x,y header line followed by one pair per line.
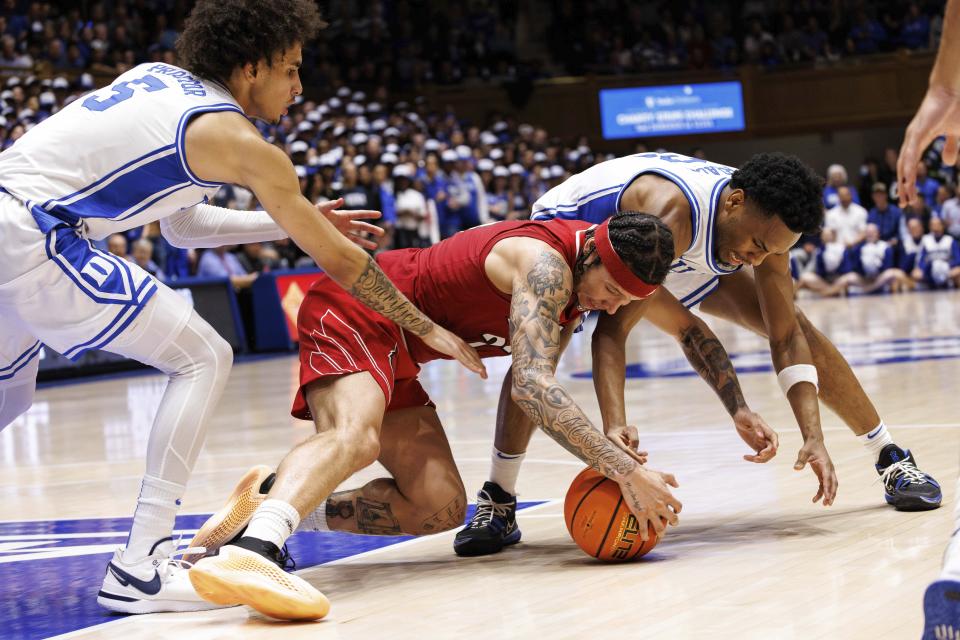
x,y
535,310
710,360
375,290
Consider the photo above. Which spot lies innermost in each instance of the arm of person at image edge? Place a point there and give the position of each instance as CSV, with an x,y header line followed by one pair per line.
x,y
939,113
226,147
788,346
702,349
541,284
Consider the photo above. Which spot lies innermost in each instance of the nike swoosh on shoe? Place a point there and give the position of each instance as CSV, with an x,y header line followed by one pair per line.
x,y
151,587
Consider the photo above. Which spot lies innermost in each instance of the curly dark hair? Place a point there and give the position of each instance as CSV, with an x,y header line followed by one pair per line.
x,y
221,35
781,185
643,242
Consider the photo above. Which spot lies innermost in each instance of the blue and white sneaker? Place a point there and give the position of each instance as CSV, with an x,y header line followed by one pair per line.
x,y
493,526
941,611
157,583
906,488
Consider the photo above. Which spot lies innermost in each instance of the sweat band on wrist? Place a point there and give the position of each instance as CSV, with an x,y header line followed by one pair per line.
x,y
793,374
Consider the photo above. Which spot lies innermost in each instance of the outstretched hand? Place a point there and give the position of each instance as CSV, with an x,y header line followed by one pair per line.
x,y
757,434
351,223
815,454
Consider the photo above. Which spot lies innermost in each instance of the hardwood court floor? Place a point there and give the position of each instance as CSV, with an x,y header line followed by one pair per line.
x,y
752,558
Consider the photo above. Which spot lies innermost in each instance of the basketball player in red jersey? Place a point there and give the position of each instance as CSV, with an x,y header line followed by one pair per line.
x,y
515,288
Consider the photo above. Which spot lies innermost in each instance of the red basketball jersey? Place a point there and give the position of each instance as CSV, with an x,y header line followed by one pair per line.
x,y
448,282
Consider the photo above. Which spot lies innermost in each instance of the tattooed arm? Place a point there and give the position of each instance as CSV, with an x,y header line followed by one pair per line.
x,y
226,147
542,286
702,350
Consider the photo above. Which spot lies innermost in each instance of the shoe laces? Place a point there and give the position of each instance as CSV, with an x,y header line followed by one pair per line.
x,y
172,564
488,509
903,469
285,560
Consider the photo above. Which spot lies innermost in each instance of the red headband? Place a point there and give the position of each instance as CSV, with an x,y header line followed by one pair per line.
x,y
620,272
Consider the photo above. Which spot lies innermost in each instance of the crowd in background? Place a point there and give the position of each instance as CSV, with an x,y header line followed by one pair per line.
x,y
431,174
869,244
620,36
405,44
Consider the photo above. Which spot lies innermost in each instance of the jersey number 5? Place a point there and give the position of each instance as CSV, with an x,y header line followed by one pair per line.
x,y
123,91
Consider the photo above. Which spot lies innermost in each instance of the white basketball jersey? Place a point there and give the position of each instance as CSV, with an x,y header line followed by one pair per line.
x,y
114,159
594,195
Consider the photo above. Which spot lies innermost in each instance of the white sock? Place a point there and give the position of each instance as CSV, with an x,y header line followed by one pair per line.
x,y
951,557
316,521
876,440
153,520
273,521
504,469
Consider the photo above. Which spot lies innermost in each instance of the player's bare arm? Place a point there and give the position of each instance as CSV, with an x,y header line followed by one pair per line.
x,y
542,287
702,349
226,147
660,197
788,347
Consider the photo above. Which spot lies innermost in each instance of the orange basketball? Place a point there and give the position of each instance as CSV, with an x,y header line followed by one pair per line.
x,y
600,522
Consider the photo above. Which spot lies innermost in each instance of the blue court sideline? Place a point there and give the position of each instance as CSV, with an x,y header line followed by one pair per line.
x,y
50,570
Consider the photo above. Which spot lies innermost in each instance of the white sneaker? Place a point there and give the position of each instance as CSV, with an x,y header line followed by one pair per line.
x,y
154,584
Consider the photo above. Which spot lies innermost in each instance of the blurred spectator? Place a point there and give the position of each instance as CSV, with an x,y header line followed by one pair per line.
x,y
836,178
117,245
824,273
143,255
258,257
873,266
950,214
910,241
884,214
413,224
219,262
938,263
848,219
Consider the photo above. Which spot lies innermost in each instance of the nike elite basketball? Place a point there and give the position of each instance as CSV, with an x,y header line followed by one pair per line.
x,y
600,522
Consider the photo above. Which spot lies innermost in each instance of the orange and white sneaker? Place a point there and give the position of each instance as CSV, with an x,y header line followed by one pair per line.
x,y
230,521
249,572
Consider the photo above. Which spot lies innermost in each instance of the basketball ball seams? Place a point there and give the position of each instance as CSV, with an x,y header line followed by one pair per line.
x,y
573,518
613,518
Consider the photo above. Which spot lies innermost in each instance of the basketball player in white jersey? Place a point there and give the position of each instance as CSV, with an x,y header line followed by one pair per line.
x,y
733,229
155,145
939,114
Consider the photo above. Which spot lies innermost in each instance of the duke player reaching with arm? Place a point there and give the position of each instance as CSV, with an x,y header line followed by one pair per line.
x,y
513,287
155,145
733,229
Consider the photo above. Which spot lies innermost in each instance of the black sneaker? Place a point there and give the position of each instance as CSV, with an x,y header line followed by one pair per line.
x,y
270,551
494,525
905,486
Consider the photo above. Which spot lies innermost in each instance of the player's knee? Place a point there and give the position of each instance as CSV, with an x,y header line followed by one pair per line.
x,y
363,445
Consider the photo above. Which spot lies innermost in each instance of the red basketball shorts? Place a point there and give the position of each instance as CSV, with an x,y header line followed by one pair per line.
x,y
339,336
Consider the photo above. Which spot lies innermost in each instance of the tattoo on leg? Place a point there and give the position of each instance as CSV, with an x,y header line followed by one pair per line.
x,y
449,517
340,506
376,519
